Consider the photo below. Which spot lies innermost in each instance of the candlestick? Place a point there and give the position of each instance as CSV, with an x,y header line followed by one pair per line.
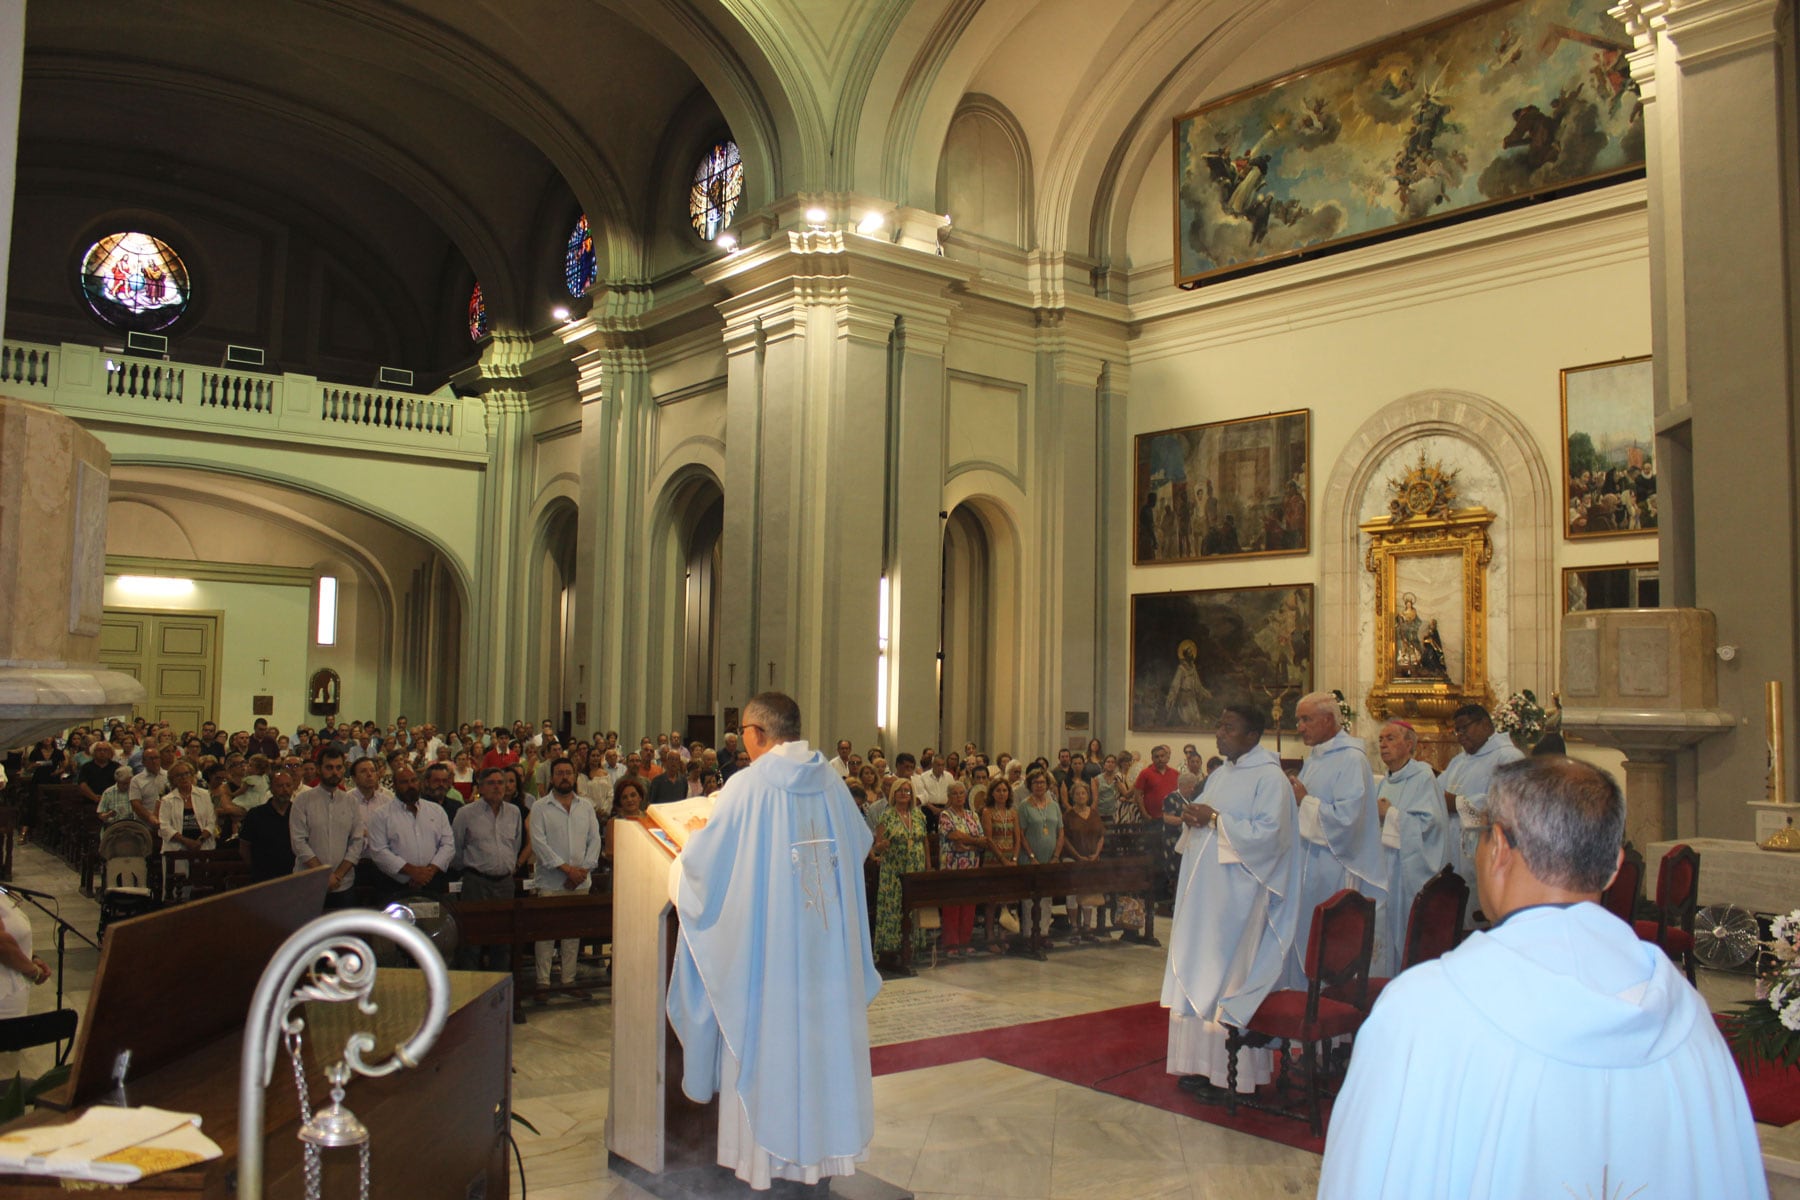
x,y
1777,754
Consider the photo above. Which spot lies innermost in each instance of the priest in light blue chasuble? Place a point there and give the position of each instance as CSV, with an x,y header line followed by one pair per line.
x,y
1416,838
1554,1054
773,972
1465,781
1339,840
1235,907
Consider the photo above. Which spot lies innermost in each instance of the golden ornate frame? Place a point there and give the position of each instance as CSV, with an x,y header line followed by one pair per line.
x,y
1463,532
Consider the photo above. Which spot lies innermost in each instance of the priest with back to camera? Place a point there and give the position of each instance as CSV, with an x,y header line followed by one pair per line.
x,y
1339,842
773,973
1236,908
1555,1054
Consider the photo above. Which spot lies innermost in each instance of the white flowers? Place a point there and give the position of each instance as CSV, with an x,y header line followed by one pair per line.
x,y
1781,987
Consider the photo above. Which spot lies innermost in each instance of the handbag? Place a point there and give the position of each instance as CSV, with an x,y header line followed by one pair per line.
x,y
1131,912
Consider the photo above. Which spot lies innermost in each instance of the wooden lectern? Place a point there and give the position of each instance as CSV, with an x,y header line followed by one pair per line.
x,y
174,989
650,1122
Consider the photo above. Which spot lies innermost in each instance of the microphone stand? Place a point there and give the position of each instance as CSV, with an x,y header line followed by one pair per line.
x,y
63,929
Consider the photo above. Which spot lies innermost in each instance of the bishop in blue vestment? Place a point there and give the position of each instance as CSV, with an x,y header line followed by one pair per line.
x,y
1555,1054
1234,905
773,974
1415,838
1339,834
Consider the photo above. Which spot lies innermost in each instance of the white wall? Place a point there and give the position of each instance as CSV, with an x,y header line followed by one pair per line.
x,y
259,620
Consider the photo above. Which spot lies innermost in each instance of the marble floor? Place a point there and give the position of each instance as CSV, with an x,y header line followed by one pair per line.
x,y
975,1129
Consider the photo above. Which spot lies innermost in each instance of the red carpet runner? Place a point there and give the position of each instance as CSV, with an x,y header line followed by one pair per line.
x,y
1121,1051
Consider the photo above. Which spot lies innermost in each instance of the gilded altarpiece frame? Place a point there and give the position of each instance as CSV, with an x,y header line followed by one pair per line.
x,y
1430,649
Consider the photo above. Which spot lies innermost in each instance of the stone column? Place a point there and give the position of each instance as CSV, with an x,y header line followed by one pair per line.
x,y
833,474
1718,84
12,70
495,631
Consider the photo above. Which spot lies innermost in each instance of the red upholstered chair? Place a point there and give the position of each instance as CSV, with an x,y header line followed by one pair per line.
x,y
1677,899
1621,898
1434,926
1337,960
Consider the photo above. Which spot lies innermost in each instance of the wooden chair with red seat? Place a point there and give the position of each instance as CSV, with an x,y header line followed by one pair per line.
x,y
1621,896
1434,926
1338,949
1677,899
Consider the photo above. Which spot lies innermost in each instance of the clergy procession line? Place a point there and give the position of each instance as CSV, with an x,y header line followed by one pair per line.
x,y
1550,1053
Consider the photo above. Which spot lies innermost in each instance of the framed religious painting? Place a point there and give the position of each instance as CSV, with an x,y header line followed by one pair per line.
x,y
1193,653
1228,489
1631,585
1609,449
1505,103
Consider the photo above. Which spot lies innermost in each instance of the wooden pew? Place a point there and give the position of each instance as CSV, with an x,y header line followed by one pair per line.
x,y
527,919
1027,882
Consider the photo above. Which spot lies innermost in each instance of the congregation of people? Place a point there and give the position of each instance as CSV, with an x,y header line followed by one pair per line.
x,y
1555,1005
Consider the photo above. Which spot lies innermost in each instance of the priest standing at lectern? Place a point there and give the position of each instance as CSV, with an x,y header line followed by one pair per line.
x,y
1235,908
773,974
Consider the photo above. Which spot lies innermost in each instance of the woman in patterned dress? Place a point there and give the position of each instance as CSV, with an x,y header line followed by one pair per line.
x,y
1000,821
899,848
960,845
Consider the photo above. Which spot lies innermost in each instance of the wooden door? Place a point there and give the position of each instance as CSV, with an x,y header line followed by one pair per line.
x,y
175,655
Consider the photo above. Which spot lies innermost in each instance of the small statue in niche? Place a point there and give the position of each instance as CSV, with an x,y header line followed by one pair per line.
x,y
1407,630
1431,652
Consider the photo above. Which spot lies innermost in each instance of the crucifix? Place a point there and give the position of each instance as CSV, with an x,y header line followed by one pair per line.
x,y
265,665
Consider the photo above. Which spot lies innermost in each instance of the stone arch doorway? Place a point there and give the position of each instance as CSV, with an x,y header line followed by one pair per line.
x,y
550,682
977,661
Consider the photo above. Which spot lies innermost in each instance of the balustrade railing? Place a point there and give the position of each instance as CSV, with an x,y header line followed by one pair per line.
x,y
386,410
28,365
143,380
85,382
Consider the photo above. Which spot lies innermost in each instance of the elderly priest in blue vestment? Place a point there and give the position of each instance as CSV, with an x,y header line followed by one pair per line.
x,y
1554,1054
773,974
1339,840
1416,837
1235,908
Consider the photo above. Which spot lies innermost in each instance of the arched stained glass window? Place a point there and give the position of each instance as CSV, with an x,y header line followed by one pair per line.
x,y
478,315
135,281
578,263
718,183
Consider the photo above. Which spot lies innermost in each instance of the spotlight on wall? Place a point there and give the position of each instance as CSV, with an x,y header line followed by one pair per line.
x,y
726,242
155,587
560,313
816,215
870,223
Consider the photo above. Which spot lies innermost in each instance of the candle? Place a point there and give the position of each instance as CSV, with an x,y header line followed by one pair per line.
x,y
1777,754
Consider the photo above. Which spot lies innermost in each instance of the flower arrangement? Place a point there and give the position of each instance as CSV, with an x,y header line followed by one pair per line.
x,y
1346,714
1768,1028
1521,717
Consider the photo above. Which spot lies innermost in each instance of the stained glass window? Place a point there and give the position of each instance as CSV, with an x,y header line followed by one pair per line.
x,y
478,317
135,281
718,183
578,262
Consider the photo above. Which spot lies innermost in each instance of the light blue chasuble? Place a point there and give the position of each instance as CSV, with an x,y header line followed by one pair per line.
x,y
1467,778
1425,837
1556,1056
773,962
1337,776
1235,896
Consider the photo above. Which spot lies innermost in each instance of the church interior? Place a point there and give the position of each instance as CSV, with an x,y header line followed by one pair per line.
x,y
1014,373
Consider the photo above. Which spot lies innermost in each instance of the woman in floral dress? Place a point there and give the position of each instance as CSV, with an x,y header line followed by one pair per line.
x,y
960,845
899,848
1000,821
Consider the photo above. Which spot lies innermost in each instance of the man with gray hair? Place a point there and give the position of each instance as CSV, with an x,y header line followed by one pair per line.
x,y
1339,839
773,974
1554,1054
1415,837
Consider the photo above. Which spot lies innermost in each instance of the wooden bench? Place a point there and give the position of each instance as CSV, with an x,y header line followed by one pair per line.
x,y
528,919
1027,882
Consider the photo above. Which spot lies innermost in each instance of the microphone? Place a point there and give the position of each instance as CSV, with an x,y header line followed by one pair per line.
x,y
10,887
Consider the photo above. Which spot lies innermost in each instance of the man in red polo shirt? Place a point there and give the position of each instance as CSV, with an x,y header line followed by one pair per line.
x,y
1154,785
